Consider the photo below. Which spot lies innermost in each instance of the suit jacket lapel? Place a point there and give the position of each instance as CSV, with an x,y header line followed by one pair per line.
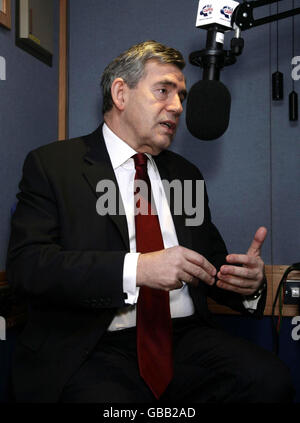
x,y
99,167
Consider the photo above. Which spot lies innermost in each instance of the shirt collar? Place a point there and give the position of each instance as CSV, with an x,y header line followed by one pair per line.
x,y
119,151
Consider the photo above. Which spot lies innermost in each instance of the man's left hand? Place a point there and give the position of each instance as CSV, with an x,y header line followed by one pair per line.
x,y
247,279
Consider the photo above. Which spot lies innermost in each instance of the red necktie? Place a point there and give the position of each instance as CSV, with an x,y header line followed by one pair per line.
x,y
154,326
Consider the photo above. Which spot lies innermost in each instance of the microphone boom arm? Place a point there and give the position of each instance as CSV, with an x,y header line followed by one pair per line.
x,y
243,14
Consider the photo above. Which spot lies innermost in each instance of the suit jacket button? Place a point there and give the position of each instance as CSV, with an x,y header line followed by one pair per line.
x,y
93,303
86,353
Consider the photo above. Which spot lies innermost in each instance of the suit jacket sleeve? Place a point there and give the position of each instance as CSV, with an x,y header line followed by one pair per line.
x,y
37,265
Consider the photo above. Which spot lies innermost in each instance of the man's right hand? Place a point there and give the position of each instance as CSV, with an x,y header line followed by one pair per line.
x,y
166,269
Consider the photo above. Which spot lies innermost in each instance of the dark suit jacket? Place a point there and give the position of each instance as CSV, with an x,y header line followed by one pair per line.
x,y
67,261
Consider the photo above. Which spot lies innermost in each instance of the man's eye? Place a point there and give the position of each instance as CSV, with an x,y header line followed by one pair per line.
x,y
162,91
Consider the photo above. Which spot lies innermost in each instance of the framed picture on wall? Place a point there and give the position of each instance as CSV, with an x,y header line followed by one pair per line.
x,y
34,28
5,13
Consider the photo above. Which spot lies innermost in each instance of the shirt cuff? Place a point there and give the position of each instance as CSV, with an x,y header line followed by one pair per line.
x,y
251,304
129,278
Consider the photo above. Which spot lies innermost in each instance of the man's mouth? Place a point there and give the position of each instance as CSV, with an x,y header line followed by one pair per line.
x,y
169,124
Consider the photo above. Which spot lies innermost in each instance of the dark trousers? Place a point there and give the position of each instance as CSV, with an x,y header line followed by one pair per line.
x,y
210,366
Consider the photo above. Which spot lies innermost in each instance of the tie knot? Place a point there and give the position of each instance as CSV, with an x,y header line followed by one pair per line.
x,y
140,159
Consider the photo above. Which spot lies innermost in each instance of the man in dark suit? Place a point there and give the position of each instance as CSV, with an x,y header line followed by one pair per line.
x,y
83,271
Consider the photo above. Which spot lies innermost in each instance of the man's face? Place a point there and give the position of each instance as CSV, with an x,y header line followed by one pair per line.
x,y
152,108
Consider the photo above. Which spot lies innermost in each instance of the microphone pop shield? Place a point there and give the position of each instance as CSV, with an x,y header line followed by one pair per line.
x,y
208,109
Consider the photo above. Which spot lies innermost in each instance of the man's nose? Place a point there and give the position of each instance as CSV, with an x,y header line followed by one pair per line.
x,y
175,105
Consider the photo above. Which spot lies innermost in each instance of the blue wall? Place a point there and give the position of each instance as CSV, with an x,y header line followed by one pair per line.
x,y
28,115
253,171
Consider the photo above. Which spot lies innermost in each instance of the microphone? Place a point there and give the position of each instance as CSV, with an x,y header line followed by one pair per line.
x,y
209,101
208,110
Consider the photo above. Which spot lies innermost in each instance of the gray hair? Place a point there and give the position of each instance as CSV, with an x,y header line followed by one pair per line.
x,y
130,66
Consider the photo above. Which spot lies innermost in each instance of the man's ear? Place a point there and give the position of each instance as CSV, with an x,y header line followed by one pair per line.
x,y
118,93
